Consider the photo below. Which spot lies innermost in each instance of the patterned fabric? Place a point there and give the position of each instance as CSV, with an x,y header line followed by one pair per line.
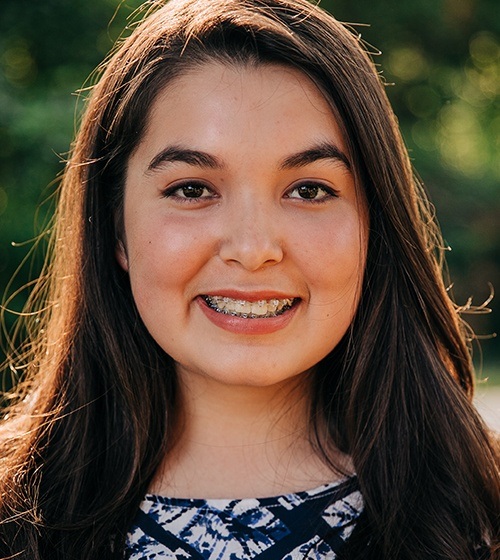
x,y
309,525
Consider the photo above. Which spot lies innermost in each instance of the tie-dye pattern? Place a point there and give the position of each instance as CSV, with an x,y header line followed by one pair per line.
x,y
309,525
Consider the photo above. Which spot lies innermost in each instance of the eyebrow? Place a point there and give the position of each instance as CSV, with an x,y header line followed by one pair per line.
x,y
173,154
324,150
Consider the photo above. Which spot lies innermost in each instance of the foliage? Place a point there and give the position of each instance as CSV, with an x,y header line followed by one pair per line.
x,y
440,60
441,63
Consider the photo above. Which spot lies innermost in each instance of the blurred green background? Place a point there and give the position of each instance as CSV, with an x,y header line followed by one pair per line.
x,y
440,60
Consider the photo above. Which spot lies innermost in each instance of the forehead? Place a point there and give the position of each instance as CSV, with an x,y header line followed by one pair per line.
x,y
226,107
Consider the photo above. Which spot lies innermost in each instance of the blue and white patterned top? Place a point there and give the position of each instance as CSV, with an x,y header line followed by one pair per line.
x,y
313,524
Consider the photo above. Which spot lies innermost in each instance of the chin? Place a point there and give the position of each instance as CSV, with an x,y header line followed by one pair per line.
x,y
240,375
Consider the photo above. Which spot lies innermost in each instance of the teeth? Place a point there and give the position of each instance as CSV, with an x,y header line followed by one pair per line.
x,y
259,308
249,309
243,307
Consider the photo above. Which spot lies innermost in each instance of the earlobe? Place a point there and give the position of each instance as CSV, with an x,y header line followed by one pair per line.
x,y
121,255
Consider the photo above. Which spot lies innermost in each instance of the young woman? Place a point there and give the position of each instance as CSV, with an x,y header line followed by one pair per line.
x,y
245,347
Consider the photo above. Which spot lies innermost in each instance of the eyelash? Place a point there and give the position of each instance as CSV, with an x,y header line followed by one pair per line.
x,y
328,192
195,186
173,191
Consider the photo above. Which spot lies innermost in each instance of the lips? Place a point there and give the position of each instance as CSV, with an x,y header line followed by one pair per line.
x,y
249,313
259,309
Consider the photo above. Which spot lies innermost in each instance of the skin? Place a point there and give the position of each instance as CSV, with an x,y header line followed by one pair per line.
x,y
241,187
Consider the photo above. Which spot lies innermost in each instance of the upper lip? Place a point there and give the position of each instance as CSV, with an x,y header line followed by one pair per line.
x,y
254,295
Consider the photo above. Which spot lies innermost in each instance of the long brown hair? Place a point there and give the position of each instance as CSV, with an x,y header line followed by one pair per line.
x,y
95,414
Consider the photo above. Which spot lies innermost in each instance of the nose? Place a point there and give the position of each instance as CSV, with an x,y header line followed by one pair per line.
x,y
251,237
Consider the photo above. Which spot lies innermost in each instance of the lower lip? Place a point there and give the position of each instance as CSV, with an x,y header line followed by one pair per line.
x,y
239,325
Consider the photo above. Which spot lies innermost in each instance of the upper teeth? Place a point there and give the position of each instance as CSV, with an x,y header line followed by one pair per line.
x,y
252,309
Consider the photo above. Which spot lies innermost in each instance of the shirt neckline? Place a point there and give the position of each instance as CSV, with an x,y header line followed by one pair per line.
x,y
350,480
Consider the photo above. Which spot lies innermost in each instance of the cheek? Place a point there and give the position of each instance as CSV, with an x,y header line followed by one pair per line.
x,y
163,242
335,254
161,256
165,254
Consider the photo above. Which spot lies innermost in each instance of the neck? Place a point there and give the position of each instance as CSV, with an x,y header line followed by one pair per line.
x,y
242,441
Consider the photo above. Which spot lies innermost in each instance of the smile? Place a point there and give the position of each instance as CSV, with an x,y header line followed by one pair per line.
x,y
261,309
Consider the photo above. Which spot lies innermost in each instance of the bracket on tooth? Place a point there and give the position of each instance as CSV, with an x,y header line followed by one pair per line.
x,y
261,309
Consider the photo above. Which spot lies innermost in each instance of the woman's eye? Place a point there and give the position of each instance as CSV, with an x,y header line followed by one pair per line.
x,y
311,191
189,191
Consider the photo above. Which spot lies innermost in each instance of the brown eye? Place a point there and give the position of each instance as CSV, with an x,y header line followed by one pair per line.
x,y
308,191
311,191
189,191
192,191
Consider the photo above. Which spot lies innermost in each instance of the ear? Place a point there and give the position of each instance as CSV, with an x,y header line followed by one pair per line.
x,y
121,255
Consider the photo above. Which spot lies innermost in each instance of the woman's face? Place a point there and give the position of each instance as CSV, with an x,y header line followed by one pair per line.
x,y
244,234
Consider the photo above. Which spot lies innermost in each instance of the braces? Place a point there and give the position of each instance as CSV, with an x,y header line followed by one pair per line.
x,y
278,306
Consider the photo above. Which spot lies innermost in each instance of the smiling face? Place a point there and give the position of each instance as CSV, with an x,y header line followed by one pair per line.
x,y
244,235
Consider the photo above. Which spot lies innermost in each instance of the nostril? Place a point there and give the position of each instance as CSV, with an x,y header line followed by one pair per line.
x,y
251,252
